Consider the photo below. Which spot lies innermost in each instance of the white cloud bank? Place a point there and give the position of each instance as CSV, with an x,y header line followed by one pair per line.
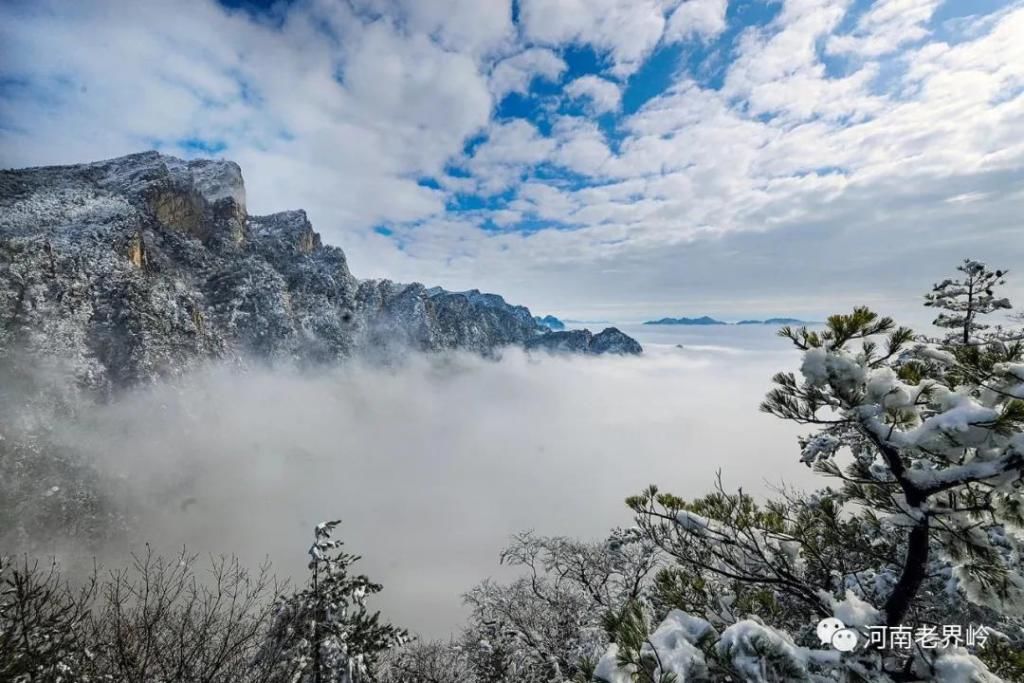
x,y
431,466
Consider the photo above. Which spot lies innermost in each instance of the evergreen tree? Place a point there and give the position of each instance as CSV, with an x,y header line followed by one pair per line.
x,y
934,431
925,439
324,633
963,301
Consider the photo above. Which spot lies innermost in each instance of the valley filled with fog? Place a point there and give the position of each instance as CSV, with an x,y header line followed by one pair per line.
x,y
432,464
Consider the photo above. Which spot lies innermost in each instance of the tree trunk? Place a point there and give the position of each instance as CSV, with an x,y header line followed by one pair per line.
x,y
914,569
316,621
915,564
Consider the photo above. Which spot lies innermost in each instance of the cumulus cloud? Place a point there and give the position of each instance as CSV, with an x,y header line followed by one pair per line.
x,y
324,110
603,95
697,18
396,112
469,26
786,48
627,29
515,73
582,146
509,148
885,27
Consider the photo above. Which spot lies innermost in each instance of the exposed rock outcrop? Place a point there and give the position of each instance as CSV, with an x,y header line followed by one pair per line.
x,y
142,266
550,322
610,340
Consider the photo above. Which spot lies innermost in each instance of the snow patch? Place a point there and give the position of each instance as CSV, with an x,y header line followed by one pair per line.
x,y
853,611
744,644
675,644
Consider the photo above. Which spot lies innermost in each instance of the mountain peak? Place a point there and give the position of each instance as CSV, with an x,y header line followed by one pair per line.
x,y
141,266
703,320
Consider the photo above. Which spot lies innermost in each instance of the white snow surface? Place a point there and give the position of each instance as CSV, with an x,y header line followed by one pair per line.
x,y
853,611
820,447
742,642
692,522
885,388
608,668
62,206
675,644
839,368
214,180
957,666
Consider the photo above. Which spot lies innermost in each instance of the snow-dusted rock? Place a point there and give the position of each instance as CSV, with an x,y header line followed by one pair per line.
x,y
572,341
142,266
550,322
611,340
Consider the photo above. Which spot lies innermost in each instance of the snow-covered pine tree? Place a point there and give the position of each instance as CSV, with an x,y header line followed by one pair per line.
x,y
323,633
924,529
963,301
935,434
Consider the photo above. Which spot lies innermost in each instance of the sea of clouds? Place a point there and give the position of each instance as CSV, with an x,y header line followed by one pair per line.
x,y
431,464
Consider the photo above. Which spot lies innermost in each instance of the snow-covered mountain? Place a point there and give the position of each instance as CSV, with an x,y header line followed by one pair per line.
x,y
141,266
611,340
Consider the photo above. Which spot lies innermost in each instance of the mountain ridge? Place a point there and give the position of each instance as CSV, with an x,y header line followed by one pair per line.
x,y
707,320
703,320
142,266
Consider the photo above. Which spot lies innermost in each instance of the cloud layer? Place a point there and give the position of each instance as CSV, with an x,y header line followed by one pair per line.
x,y
431,466
613,158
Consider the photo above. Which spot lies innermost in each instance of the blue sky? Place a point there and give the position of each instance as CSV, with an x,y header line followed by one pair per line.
x,y
603,159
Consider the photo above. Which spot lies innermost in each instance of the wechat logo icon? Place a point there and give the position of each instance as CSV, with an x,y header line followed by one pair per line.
x,y
833,632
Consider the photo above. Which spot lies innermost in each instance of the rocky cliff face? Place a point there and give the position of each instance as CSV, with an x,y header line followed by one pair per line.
x,y
611,340
550,322
142,266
